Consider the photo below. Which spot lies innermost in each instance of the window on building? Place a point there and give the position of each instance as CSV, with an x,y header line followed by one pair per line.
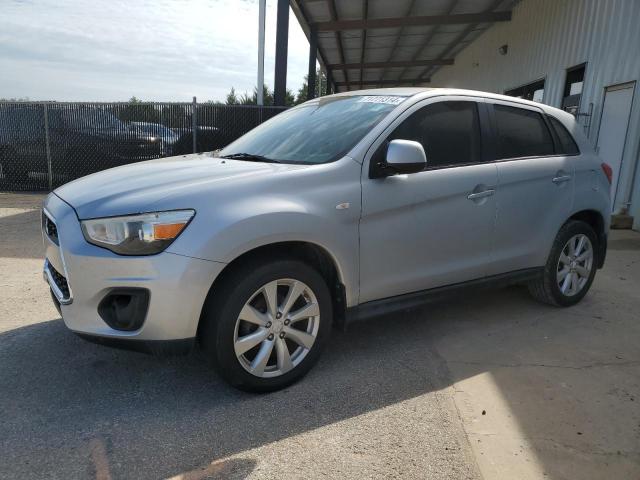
x,y
533,91
566,142
521,133
573,89
448,131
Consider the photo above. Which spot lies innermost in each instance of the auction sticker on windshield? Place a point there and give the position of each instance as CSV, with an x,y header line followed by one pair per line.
x,y
391,100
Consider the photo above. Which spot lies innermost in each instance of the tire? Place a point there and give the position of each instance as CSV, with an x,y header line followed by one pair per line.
x,y
224,324
564,283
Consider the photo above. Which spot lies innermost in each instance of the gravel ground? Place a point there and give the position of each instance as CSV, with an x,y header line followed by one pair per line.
x,y
493,385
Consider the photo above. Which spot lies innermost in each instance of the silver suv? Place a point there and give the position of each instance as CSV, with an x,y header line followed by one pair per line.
x,y
345,207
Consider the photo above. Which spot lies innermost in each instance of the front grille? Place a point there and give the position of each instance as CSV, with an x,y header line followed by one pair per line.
x,y
50,228
60,281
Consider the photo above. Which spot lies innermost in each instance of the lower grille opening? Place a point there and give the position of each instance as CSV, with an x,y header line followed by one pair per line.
x,y
50,228
124,308
60,281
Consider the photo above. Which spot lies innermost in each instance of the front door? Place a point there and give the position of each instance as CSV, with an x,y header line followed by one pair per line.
x,y
434,227
613,129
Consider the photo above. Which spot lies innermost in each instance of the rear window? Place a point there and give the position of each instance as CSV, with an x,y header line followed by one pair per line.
x,y
521,133
566,143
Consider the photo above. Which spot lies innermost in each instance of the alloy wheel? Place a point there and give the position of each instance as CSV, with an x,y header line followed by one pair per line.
x,y
575,265
276,328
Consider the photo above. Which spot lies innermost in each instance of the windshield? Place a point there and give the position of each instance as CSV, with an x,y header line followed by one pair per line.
x,y
319,132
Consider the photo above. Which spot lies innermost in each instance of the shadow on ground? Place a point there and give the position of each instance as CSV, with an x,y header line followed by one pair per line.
x,y
161,417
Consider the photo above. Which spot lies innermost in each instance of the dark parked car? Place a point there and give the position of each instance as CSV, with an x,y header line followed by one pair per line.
x,y
167,136
207,139
82,140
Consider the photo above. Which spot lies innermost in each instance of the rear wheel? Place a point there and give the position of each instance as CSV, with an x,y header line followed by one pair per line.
x,y
570,268
267,325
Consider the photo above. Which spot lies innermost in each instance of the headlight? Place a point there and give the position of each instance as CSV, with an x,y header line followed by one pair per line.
x,y
144,234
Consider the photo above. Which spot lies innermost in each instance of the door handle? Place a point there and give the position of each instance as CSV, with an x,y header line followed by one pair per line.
x,y
484,193
561,179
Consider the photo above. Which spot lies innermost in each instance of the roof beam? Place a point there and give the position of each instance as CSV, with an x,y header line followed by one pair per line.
x,y
427,42
458,39
405,64
397,39
406,81
412,21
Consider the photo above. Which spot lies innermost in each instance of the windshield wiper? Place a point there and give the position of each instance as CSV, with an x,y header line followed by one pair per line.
x,y
249,157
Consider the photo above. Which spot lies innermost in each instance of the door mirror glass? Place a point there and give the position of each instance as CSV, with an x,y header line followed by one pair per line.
x,y
405,156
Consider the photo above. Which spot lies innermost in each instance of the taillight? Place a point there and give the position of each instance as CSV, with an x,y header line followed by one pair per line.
x,y
608,172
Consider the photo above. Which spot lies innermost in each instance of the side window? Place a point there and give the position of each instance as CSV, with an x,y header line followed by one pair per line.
x,y
567,143
448,131
521,133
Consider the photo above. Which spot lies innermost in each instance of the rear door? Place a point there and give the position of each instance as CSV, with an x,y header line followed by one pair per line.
x,y
535,187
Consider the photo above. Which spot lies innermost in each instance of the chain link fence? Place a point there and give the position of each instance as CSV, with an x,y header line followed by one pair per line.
x,y
44,145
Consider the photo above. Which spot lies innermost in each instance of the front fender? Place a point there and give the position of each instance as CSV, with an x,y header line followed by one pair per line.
x,y
224,234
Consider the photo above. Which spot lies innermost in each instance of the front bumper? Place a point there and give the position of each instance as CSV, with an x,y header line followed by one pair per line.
x,y
177,285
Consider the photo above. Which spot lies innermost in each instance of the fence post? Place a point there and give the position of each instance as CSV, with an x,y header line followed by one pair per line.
x,y
194,123
47,146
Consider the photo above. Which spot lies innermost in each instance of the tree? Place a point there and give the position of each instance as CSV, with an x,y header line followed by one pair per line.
x,y
25,99
289,98
320,89
246,99
232,98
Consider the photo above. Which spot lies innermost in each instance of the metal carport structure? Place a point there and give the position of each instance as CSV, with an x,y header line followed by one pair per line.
x,y
369,43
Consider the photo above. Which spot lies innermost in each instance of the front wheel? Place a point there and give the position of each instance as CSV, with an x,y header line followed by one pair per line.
x,y
267,325
570,268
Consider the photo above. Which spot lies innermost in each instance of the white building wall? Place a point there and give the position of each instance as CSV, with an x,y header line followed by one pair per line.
x,y
545,37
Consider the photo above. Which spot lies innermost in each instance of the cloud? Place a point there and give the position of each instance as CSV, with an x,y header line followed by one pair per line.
x,y
156,50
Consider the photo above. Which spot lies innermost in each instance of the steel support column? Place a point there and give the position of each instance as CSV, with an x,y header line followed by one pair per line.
x,y
262,6
282,40
313,56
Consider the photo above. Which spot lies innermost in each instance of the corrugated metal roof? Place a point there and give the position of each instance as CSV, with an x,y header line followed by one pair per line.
x,y
383,43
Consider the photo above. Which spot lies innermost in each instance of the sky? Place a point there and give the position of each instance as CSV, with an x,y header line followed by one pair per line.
x,y
160,50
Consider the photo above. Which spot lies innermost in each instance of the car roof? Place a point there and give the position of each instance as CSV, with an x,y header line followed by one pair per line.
x,y
424,92
399,91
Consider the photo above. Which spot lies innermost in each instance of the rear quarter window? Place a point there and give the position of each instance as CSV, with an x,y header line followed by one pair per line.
x,y
565,141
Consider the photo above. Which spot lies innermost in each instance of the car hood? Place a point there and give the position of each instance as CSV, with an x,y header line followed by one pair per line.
x,y
137,187
115,134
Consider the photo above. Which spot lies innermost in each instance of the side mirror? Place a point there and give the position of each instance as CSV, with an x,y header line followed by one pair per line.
x,y
405,156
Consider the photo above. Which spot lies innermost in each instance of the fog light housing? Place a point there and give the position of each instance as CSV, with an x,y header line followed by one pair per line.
x,y
124,309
